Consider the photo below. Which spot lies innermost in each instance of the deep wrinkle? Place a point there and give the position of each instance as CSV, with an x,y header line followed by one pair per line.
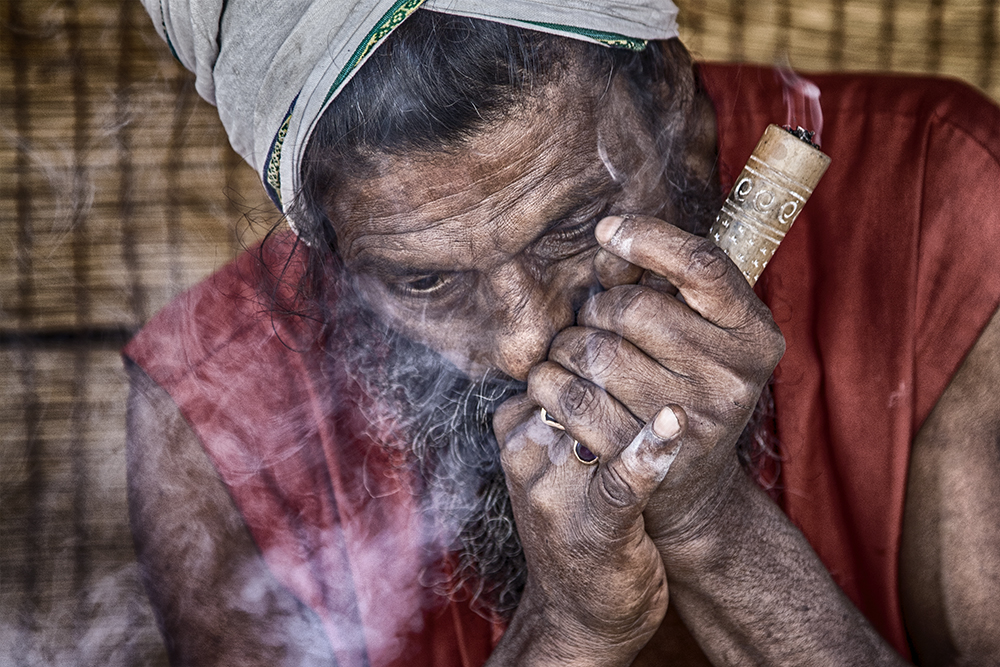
x,y
489,233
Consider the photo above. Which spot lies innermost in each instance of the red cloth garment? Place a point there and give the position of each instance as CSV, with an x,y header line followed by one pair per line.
x,y
880,288
332,513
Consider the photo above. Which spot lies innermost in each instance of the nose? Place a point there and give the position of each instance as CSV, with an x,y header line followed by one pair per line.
x,y
525,315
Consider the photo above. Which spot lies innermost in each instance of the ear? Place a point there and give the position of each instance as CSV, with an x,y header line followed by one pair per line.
x,y
699,132
704,146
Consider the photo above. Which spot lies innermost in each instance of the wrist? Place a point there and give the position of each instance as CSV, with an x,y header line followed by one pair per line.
x,y
540,635
694,532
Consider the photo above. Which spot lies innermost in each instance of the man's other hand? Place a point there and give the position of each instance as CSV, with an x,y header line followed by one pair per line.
x,y
596,588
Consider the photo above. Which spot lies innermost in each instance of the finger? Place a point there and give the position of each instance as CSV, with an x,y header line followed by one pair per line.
x,y
641,384
527,446
657,282
612,270
510,414
673,334
618,367
708,280
586,411
629,479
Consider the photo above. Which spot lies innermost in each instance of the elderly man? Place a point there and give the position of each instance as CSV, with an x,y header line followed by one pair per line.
x,y
494,400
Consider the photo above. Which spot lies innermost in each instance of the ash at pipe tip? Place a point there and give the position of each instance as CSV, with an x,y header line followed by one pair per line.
x,y
802,133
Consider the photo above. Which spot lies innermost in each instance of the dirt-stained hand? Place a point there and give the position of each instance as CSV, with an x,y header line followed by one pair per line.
x,y
709,352
596,588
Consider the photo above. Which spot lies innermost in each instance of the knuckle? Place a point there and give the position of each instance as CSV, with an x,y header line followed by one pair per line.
x,y
705,260
768,345
638,302
742,392
612,305
579,397
774,344
615,488
597,352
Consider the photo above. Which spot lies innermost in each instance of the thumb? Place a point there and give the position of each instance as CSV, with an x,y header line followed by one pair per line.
x,y
630,478
612,270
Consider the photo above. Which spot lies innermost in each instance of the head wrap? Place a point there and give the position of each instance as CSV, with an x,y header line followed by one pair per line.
x,y
273,67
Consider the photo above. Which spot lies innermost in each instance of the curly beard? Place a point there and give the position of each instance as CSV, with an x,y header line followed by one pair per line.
x,y
444,422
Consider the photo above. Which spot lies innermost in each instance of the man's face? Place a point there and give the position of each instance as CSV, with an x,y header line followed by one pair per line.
x,y
485,252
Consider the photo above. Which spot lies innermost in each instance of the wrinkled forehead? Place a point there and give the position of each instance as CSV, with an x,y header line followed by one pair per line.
x,y
567,141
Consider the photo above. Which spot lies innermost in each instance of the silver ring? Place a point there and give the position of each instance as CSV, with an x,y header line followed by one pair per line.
x,y
549,421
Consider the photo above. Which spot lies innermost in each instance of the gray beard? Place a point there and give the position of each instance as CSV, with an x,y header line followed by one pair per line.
x,y
445,420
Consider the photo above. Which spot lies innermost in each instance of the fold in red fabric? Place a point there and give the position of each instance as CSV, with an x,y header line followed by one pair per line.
x,y
880,288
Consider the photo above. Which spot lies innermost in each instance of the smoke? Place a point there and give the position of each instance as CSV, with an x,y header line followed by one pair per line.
x,y
801,98
416,401
112,625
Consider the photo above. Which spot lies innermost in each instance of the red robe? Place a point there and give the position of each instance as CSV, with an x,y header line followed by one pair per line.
x,y
880,288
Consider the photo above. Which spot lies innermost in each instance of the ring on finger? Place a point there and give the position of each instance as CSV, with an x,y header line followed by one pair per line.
x,y
584,455
580,450
548,420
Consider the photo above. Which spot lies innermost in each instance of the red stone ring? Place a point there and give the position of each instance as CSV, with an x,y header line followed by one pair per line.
x,y
584,455
580,451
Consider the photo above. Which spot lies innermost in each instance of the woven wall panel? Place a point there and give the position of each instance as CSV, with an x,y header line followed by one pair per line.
x,y
114,174
956,39
69,588
118,189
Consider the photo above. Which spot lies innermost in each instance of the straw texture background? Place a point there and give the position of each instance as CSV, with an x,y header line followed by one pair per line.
x,y
118,190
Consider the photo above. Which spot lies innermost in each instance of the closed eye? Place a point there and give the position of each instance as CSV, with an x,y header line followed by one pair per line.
x,y
422,285
568,240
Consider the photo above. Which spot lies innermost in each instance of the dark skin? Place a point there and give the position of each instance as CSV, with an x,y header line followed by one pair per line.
x,y
500,263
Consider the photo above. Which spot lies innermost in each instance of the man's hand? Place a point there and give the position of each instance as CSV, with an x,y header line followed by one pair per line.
x,y
744,580
710,354
596,588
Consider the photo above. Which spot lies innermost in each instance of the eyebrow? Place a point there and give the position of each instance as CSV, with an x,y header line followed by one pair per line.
x,y
583,196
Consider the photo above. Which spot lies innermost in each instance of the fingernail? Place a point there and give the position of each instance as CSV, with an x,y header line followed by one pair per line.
x,y
606,228
665,425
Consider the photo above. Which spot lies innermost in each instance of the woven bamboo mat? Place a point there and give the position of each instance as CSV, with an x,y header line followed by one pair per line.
x,y
118,190
957,38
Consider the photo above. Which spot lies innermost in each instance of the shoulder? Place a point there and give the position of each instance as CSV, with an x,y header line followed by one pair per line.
x,y
239,308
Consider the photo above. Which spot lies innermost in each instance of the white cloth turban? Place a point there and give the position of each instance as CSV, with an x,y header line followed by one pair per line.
x,y
273,66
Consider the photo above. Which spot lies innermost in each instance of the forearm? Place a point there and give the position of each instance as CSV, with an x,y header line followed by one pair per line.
x,y
752,591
